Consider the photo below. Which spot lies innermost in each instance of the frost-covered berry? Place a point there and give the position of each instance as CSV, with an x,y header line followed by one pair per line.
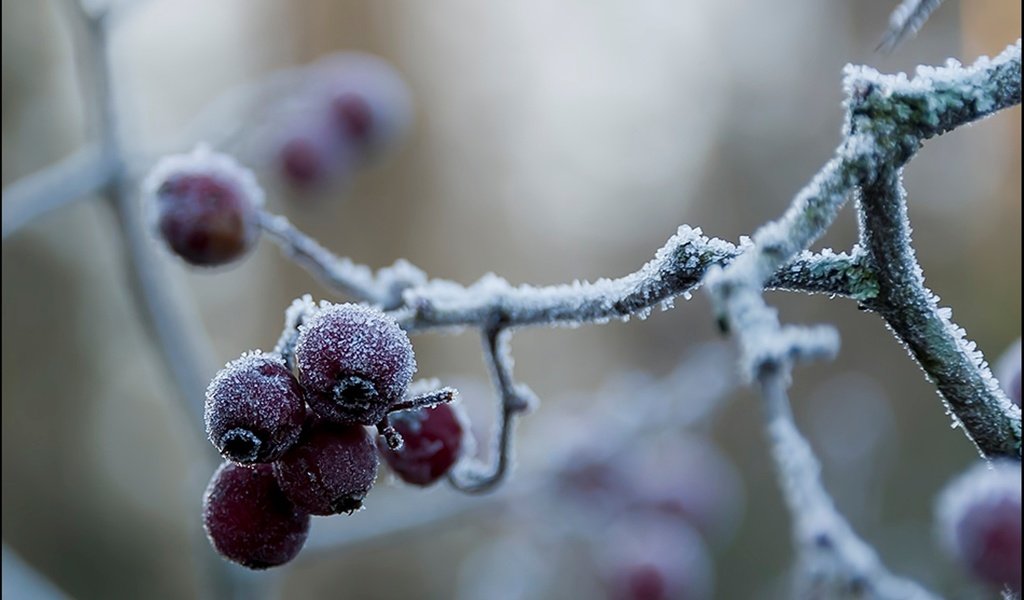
x,y
248,518
432,442
979,516
369,102
204,206
330,470
254,409
1008,372
651,558
354,363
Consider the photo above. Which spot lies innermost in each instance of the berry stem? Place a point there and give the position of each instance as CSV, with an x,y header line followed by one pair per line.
x,y
432,398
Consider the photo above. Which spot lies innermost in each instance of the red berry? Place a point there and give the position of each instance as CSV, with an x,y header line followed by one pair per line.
x,y
249,520
303,162
432,442
980,515
354,362
368,100
330,470
205,207
254,409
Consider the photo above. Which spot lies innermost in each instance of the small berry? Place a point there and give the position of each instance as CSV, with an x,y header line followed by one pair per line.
x,y
432,442
330,470
249,520
650,558
980,518
254,409
354,362
303,162
368,100
1008,372
205,206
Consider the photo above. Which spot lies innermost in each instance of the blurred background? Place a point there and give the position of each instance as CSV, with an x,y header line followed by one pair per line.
x,y
552,141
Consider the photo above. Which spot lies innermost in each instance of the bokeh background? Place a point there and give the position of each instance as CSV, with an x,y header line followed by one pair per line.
x,y
552,141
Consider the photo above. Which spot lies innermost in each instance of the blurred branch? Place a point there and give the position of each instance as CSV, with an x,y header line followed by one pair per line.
x,y
20,580
908,18
833,562
81,174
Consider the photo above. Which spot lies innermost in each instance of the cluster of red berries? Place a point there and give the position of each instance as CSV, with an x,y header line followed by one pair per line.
x,y
358,107
297,442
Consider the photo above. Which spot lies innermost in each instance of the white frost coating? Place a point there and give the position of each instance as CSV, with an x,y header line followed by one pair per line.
x,y
203,160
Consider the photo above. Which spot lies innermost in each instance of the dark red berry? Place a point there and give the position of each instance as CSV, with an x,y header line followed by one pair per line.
x,y
205,207
651,558
303,162
980,514
354,362
249,520
432,442
330,470
254,409
368,101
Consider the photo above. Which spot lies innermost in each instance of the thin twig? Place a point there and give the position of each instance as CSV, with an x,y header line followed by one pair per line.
x,y
514,398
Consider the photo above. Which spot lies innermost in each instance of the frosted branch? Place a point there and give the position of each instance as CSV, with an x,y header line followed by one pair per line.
x,y
473,476
952,362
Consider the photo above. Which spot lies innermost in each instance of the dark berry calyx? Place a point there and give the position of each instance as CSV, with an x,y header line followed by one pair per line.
x,y
355,394
241,445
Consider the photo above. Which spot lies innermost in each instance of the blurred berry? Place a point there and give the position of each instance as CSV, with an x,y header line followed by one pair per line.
x,y
979,517
653,558
432,442
254,409
369,102
354,362
205,206
330,470
249,520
